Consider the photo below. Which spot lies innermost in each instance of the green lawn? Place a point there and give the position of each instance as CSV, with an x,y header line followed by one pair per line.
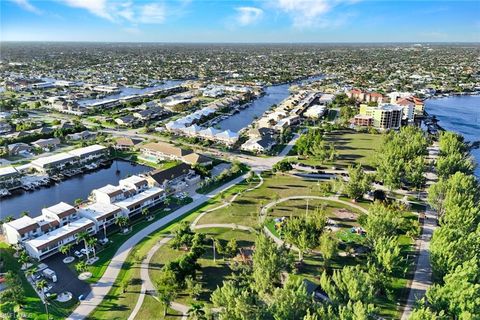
x,y
352,148
244,210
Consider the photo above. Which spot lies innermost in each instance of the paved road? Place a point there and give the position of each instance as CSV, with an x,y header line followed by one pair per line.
x,y
103,286
423,273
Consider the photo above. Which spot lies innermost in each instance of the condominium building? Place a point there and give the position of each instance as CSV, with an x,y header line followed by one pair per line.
x,y
385,116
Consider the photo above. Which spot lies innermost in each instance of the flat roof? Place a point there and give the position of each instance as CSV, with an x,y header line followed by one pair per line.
x,y
139,198
109,189
136,180
59,157
61,209
63,232
22,223
99,210
7,171
86,150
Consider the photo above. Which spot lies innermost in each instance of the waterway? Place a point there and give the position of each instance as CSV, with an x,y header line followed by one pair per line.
x,y
68,190
460,114
128,91
273,95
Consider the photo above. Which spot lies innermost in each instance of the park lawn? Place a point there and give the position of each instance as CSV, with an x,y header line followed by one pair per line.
x,y
33,306
244,210
352,147
152,309
364,203
212,273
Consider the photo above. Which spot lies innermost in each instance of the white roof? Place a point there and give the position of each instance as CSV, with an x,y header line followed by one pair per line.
x,y
227,134
59,157
132,180
59,208
389,107
192,129
86,150
56,234
175,125
139,198
99,209
210,132
108,189
7,170
21,223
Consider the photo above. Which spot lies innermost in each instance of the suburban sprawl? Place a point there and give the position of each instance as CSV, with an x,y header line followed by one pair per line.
x,y
148,181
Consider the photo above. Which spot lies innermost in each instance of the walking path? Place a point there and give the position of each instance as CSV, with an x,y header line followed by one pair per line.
x,y
101,288
147,286
422,278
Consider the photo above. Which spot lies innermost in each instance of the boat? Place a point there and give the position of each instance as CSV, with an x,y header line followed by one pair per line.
x,y
4,192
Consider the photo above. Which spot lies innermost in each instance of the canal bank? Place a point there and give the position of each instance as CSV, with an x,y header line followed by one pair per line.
x,y
460,114
274,94
67,190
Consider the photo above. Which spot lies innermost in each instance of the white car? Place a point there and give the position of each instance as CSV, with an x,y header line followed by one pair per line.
x,y
78,254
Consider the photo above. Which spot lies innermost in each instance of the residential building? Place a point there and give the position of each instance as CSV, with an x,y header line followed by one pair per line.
x,y
362,120
125,143
18,148
61,212
101,213
53,163
197,159
9,177
163,151
135,204
90,153
47,144
259,145
172,178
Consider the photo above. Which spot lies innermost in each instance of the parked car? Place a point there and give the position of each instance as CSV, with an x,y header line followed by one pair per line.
x,y
103,241
84,251
78,254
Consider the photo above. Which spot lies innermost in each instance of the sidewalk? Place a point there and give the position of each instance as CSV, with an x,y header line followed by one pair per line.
x,y
103,286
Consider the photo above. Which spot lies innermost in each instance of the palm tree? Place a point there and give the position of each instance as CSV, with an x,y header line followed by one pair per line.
x,y
145,212
30,272
81,266
41,285
84,236
92,241
196,312
23,259
121,221
65,249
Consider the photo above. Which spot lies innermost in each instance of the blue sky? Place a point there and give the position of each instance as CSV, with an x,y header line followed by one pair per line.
x,y
240,20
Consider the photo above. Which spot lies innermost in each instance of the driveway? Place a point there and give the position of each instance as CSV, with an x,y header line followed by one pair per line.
x,y
67,279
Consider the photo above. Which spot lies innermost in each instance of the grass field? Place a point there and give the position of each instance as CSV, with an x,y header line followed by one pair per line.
x,y
352,148
244,210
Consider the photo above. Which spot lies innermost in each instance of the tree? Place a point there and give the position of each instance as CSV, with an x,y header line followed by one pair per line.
x,y
381,222
282,166
386,255
66,248
85,237
236,302
194,288
415,172
268,262
81,266
13,296
358,182
42,285
165,296
231,248
31,272
122,222
92,242
196,312
23,258
145,212
328,247
183,236
291,302
78,202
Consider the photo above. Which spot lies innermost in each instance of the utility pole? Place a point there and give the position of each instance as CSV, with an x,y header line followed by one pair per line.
x,y
213,245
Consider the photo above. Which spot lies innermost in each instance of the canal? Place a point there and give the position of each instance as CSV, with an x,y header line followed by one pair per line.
x,y
68,190
460,114
273,95
127,91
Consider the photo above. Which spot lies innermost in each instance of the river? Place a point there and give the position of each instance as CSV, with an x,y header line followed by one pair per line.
x,y
273,95
460,114
68,190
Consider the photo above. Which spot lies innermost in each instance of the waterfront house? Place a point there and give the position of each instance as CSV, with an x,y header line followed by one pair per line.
x,y
259,145
54,163
171,178
49,243
163,151
9,177
101,213
90,153
61,212
134,205
228,137
21,229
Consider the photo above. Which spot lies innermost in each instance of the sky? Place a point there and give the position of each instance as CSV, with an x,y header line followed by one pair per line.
x,y
244,21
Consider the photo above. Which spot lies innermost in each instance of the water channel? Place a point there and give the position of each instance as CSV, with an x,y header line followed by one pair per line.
x,y
68,190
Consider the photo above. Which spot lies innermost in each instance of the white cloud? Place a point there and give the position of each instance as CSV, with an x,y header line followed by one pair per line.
x,y
96,7
248,15
26,5
310,12
152,13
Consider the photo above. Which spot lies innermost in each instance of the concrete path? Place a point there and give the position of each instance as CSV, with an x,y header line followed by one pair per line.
x,y
422,278
147,285
232,226
101,288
